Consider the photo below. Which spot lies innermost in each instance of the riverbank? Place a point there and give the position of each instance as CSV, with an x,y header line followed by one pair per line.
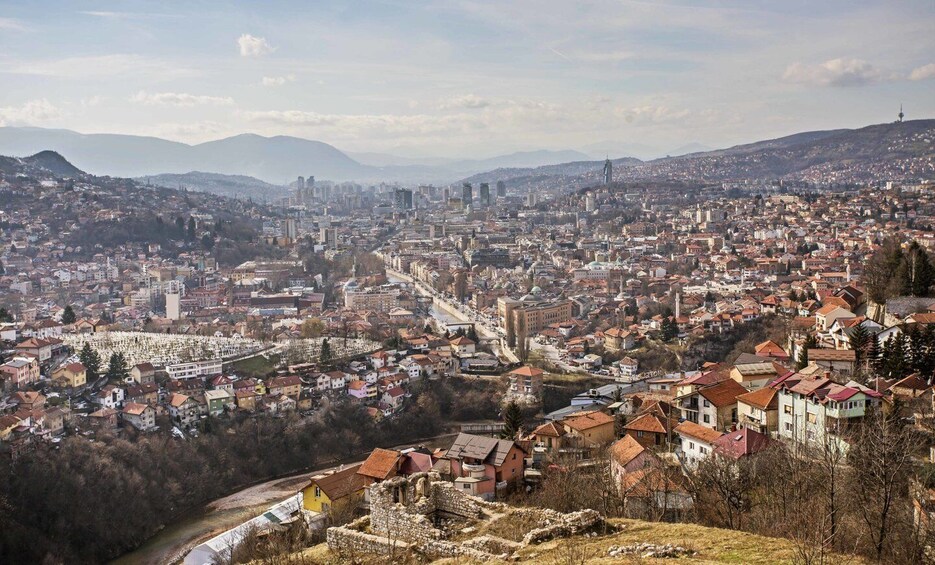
x,y
172,543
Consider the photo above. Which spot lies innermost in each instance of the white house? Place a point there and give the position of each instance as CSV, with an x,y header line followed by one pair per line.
x,y
696,442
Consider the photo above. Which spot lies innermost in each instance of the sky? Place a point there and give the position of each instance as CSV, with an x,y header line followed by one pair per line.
x,y
467,78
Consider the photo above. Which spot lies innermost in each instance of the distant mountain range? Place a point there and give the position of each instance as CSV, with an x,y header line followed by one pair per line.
x,y
894,151
899,149
275,160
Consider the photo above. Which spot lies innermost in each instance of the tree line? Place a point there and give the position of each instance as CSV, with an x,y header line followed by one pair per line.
x,y
86,501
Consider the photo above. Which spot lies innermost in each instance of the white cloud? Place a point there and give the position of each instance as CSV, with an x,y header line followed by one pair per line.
x,y
11,24
93,101
191,131
179,99
277,81
604,57
251,46
835,72
30,113
529,118
108,15
922,73
98,66
470,101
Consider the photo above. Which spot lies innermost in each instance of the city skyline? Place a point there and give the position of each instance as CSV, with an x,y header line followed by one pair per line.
x,y
467,79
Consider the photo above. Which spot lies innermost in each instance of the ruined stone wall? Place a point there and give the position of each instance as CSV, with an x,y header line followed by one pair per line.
x,y
348,543
449,499
403,508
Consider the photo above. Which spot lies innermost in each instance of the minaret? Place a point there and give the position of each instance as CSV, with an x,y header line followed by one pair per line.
x,y
678,305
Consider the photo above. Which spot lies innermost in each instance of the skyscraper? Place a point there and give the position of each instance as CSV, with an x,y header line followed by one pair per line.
x,y
402,199
484,194
300,190
467,194
501,189
608,171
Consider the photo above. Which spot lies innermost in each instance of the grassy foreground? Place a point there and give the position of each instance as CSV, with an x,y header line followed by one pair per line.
x,y
712,545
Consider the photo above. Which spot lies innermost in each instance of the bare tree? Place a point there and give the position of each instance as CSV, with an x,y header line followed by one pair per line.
x,y
882,463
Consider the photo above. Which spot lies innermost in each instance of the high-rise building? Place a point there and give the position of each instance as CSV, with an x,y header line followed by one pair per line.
x,y
501,189
300,190
328,237
467,194
608,171
484,194
402,199
290,228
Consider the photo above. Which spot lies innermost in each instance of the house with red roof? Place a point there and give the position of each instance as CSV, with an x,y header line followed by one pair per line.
x,y
741,443
813,407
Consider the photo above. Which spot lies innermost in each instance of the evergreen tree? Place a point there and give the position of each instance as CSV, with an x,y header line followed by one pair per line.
x,y
873,354
859,340
512,421
894,357
191,228
802,361
324,357
117,367
472,335
919,271
5,316
620,423
670,330
68,315
92,362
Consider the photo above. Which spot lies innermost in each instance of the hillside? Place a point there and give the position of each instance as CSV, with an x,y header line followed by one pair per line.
x,y
710,545
894,151
233,186
88,214
54,163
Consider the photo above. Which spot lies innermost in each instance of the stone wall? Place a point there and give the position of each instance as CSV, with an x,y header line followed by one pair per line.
x,y
349,542
404,511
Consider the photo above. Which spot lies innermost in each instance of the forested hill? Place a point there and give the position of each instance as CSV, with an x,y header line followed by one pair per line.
x,y
84,214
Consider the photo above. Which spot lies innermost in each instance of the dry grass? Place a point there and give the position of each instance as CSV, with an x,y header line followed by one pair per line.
x,y
712,545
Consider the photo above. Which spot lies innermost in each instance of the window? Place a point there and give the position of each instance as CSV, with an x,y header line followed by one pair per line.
x,y
812,418
703,450
317,492
514,457
707,419
639,434
788,426
691,445
787,409
707,404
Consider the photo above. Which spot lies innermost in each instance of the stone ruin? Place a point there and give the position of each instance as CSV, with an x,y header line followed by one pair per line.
x,y
424,516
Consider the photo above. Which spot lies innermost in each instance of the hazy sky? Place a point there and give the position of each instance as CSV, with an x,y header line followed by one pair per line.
x,y
467,78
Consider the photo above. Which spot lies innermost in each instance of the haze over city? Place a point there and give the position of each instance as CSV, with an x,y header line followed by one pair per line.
x,y
467,79
469,281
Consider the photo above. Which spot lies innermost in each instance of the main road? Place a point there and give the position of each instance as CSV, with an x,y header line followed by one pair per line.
x,y
460,312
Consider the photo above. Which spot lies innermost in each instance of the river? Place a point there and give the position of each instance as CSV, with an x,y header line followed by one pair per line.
x,y
178,538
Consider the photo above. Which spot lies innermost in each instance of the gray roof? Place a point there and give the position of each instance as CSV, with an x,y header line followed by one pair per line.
x,y
486,449
756,369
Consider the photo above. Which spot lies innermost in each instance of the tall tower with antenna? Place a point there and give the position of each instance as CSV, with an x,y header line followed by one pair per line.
x,y
608,171
900,115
